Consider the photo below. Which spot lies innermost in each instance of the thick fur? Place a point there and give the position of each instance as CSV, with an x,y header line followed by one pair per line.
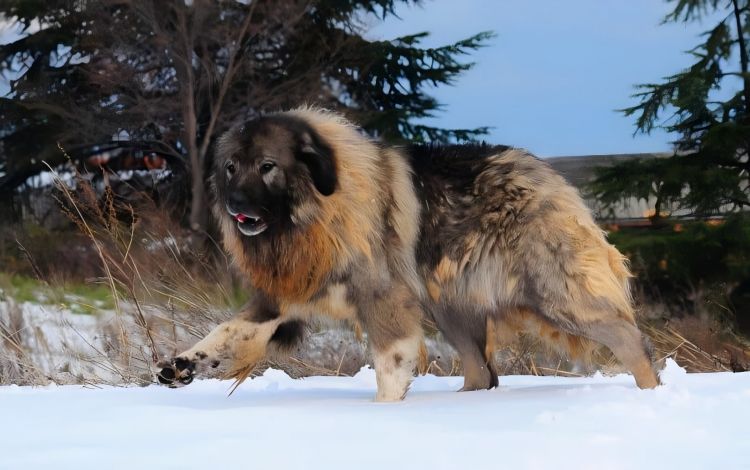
x,y
484,241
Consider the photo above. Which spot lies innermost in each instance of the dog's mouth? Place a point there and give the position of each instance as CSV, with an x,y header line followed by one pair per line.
x,y
249,225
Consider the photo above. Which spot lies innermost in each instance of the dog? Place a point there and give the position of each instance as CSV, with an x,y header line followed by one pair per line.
x,y
482,241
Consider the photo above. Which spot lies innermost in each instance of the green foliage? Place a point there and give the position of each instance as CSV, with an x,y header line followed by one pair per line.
x,y
700,253
710,170
638,178
83,298
672,264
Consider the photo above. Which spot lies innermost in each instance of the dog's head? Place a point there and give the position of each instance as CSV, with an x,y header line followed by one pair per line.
x,y
268,170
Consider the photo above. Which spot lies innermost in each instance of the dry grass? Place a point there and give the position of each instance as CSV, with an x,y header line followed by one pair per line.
x,y
17,366
18,359
163,290
670,343
699,345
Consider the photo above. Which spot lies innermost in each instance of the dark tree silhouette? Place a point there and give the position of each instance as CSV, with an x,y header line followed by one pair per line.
x,y
174,74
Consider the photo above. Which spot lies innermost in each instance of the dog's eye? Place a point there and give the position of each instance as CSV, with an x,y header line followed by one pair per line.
x,y
229,166
265,167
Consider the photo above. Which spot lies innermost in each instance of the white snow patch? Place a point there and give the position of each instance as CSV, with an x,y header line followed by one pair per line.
x,y
694,421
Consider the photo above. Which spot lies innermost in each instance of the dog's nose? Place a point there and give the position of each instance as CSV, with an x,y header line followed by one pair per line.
x,y
237,202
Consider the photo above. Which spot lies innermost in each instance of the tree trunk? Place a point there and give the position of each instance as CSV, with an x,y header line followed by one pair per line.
x,y
197,185
198,209
186,76
743,56
198,212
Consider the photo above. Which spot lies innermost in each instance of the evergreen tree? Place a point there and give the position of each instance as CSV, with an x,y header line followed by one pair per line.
x,y
175,74
708,106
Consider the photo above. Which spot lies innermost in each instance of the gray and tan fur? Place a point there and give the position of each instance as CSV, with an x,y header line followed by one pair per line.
x,y
483,241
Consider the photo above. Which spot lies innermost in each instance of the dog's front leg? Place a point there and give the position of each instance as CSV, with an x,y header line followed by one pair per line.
x,y
233,348
392,320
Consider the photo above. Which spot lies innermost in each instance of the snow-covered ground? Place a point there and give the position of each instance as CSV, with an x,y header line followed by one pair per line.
x,y
696,421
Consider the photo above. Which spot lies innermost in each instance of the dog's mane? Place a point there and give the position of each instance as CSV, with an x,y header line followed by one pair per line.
x,y
336,229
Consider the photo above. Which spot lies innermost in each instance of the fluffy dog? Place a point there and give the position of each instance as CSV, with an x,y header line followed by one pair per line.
x,y
481,240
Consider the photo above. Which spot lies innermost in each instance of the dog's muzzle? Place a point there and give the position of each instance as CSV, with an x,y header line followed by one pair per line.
x,y
249,224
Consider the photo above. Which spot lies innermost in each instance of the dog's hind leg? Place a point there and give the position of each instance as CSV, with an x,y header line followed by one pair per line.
x,y
628,345
615,331
467,333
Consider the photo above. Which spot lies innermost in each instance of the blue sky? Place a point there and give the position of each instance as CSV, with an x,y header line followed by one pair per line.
x,y
556,72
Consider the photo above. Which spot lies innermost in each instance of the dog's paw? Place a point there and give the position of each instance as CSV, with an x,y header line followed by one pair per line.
x,y
177,372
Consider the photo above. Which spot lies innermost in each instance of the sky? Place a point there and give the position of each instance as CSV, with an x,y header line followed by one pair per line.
x,y
555,74
553,78
9,32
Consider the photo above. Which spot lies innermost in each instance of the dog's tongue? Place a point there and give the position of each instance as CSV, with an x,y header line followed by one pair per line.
x,y
240,218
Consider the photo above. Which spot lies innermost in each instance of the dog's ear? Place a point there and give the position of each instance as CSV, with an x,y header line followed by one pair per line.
x,y
318,157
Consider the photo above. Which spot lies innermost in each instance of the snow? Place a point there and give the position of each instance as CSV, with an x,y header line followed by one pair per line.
x,y
693,421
